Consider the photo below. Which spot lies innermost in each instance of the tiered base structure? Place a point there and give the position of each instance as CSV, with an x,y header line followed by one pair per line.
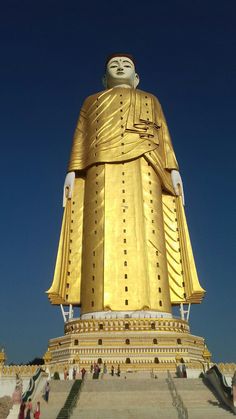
x,y
140,344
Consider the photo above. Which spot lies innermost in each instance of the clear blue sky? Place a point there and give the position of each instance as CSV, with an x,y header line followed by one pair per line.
x,y
52,57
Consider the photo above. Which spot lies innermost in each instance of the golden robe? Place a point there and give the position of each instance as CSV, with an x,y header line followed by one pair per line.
x,y
124,241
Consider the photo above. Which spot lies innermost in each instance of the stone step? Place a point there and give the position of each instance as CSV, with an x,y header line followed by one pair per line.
x,y
126,399
123,385
120,413
209,413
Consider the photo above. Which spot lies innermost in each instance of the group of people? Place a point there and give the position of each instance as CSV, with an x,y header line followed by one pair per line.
x,y
95,370
27,408
113,371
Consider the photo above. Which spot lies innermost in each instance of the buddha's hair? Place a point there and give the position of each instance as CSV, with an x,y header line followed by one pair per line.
x,y
119,54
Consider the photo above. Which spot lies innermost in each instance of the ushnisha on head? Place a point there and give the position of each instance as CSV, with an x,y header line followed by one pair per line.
x,y
120,72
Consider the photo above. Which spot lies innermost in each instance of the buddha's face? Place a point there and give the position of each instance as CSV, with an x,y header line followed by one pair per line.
x,y
121,71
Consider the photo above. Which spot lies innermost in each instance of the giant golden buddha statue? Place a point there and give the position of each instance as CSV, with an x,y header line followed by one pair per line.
x,y
124,246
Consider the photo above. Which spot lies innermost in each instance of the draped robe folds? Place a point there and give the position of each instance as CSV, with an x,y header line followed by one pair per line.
x,y
124,241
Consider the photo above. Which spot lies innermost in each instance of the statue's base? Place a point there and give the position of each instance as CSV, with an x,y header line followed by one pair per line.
x,y
143,344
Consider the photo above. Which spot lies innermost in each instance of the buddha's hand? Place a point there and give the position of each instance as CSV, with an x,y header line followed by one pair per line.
x,y
177,184
68,187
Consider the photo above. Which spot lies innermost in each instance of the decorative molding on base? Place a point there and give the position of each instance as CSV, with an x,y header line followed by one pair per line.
x,y
143,344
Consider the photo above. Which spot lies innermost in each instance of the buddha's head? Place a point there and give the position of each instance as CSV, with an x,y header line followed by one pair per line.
x,y
120,71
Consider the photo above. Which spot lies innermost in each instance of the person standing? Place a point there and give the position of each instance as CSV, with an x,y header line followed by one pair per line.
x,y
28,409
83,372
47,390
74,373
22,411
37,411
104,368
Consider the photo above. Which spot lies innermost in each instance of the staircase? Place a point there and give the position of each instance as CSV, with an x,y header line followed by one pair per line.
x,y
199,400
120,398
59,391
136,396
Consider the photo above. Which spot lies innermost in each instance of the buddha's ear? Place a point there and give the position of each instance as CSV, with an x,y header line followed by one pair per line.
x,y
136,80
104,81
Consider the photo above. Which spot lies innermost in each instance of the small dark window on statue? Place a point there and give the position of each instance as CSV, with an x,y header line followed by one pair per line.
x,y
155,341
99,341
126,302
92,303
126,276
100,326
160,303
127,361
127,341
156,361
152,325
179,341
76,342
126,326
126,289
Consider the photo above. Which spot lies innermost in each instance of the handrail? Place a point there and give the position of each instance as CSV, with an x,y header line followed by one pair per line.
x,y
177,400
71,400
31,386
218,384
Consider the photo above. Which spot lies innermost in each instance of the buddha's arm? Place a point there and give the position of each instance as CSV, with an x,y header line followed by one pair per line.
x,y
170,159
76,158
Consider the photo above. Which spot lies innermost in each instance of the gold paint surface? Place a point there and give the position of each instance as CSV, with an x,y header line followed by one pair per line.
x,y
124,241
